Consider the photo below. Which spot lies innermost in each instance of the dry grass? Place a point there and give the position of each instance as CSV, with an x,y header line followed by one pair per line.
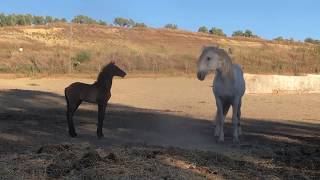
x,y
82,161
50,49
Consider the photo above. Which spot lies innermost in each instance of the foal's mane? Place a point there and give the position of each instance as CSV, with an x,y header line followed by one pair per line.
x,y
226,69
104,73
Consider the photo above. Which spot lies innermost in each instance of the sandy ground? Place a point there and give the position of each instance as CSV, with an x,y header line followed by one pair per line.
x,y
281,132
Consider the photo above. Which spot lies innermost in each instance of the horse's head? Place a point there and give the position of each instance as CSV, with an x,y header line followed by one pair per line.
x,y
212,59
116,71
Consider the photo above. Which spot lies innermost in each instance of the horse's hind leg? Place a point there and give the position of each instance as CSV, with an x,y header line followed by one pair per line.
x,y
71,108
72,131
235,119
239,116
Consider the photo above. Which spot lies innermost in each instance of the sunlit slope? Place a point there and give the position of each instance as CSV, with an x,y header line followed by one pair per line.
x,y
63,48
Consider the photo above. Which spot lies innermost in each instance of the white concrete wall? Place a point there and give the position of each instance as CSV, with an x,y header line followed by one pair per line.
x,y
282,84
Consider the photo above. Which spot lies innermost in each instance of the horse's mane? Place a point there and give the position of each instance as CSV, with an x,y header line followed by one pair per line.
x,y
104,73
226,69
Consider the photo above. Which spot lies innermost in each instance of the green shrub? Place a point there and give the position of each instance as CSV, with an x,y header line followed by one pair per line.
x,y
280,38
81,19
247,33
4,69
171,26
123,22
81,57
203,29
140,25
217,31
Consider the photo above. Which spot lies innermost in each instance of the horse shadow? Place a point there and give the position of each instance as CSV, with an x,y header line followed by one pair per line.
x,y
30,119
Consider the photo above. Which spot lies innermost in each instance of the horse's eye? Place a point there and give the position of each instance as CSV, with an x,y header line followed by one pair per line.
x,y
208,58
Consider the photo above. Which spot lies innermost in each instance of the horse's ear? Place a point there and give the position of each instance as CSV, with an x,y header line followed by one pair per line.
x,y
112,62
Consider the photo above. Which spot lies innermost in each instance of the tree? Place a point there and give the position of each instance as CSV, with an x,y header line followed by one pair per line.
x,y
2,20
171,26
38,20
103,23
308,40
20,20
131,22
11,20
49,19
312,41
25,19
248,33
238,33
28,18
290,39
81,19
56,20
203,29
140,25
63,20
217,31
280,38
123,22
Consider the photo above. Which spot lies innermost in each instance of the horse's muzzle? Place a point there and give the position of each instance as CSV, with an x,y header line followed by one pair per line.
x,y
123,74
201,75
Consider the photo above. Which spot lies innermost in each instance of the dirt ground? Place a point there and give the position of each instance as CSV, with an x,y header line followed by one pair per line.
x,y
155,128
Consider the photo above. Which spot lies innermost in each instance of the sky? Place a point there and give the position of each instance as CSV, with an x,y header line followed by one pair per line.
x,y
296,19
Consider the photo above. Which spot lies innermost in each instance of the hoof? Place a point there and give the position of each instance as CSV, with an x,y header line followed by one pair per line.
x,y
236,141
236,145
216,133
73,134
100,135
220,140
240,131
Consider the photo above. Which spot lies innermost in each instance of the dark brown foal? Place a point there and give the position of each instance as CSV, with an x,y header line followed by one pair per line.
x,y
98,93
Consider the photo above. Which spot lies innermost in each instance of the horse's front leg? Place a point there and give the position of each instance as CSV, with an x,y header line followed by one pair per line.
x,y
219,120
235,119
101,114
217,125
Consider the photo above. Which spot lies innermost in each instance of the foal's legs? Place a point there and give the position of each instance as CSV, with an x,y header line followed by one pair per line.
x,y
101,113
235,119
71,108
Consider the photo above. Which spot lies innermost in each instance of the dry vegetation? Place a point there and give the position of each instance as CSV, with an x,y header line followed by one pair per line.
x,y
70,161
60,48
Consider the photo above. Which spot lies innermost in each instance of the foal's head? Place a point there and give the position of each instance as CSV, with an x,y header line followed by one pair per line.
x,y
109,71
114,70
211,60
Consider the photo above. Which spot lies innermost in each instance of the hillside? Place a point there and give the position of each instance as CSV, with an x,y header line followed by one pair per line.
x,y
62,48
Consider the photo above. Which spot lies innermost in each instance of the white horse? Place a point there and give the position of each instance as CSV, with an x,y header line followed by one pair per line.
x,y
228,87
